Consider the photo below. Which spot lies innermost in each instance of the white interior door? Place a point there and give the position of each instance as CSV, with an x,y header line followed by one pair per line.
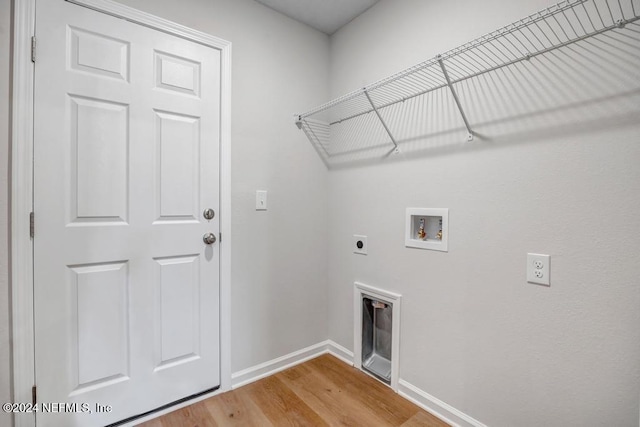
x,y
126,159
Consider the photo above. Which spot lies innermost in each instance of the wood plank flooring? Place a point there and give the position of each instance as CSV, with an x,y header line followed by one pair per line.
x,y
321,392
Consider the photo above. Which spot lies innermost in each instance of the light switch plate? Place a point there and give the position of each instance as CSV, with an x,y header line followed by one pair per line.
x,y
539,269
359,244
261,200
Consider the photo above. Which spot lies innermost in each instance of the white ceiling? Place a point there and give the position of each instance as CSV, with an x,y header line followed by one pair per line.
x,y
324,15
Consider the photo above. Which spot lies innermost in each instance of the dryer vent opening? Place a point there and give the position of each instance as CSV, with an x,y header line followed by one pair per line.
x,y
377,327
376,333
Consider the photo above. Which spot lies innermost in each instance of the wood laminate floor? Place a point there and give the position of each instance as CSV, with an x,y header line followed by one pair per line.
x,y
321,392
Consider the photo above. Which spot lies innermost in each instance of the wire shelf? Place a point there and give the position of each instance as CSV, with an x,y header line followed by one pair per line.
x,y
365,114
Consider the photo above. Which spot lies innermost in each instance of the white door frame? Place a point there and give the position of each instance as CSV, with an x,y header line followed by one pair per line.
x,y
22,124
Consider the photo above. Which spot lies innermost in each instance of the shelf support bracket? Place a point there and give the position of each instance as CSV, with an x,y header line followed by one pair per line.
x,y
393,140
455,98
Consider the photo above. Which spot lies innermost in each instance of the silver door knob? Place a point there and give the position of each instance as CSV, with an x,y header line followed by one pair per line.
x,y
209,238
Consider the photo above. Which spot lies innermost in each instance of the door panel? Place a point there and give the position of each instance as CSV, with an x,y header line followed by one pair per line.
x,y
98,54
126,158
178,312
99,160
177,74
178,162
101,322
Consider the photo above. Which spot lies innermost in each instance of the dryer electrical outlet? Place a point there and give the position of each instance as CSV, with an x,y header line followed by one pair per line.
x,y
359,244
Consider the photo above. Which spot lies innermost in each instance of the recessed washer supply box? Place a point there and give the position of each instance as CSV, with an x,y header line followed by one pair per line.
x,y
427,228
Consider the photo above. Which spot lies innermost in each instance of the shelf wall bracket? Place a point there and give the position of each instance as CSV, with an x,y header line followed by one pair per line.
x,y
393,140
455,97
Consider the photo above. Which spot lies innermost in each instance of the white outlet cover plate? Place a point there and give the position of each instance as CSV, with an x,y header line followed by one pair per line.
x,y
539,269
359,238
261,200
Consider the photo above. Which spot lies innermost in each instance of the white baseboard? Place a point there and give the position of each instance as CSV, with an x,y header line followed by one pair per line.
x,y
249,375
336,350
435,406
431,404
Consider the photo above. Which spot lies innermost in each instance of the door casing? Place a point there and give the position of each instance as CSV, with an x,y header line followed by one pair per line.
x,y
22,123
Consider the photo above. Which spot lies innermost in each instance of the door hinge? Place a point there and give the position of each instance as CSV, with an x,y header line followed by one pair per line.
x,y
34,395
32,225
33,49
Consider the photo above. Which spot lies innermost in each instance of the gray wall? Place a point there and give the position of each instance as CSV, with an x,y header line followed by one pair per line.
x,y
279,267
5,29
546,178
474,334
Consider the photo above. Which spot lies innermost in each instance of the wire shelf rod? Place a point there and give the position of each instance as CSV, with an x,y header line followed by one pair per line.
x,y
455,98
525,22
381,107
393,140
491,68
532,19
466,66
348,119
547,50
586,12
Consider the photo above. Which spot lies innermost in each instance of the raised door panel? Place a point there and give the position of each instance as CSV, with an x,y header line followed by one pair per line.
x,y
101,322
177,74
98,54
178,166
177,310
99,160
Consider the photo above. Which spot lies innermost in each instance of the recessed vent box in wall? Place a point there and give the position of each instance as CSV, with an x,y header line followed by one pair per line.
x,y
376,337
377,316
427,228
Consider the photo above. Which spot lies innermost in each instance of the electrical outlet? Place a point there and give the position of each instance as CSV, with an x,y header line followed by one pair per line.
x,y
538,269
359,244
